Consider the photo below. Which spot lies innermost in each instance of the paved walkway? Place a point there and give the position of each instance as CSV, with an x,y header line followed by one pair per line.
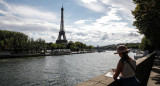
x,y
154,79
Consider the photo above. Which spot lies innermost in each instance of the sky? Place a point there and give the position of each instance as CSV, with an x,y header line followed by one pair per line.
x,y
93,22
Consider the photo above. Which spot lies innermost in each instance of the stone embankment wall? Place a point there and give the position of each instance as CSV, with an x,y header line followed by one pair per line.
x,y
21,55
144,66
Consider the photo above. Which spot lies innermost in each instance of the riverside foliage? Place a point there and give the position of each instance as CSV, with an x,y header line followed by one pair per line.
x,y
21,43
71,45
147,21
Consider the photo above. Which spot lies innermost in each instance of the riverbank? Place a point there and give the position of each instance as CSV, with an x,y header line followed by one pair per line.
x,y
22,55
144,66
36,55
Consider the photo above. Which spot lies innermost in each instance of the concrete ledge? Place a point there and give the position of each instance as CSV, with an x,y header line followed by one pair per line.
x,y
97,81
144,66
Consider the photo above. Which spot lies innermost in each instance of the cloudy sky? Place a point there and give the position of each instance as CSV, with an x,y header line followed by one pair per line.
x,y
94,22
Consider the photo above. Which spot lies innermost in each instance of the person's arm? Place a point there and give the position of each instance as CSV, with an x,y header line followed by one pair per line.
x,y
118,70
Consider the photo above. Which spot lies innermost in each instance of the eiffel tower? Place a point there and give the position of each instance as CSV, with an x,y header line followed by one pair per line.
x,y
61,32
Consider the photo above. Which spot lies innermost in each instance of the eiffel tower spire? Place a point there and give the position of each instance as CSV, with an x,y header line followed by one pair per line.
x,y
61,32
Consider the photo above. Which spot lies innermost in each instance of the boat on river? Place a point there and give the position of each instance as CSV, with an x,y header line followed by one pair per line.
x,y
140,54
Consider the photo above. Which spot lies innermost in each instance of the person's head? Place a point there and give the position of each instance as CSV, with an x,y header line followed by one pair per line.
x,y
122,51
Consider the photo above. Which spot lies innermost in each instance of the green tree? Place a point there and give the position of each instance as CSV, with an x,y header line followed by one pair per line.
x,y
71,45
40,45
80,45
145,44
58,46
1,44
49,45
90,47
53,46
84,46
147,15
63,46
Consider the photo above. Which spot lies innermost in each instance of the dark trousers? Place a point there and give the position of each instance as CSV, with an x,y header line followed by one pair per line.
x,y
131,81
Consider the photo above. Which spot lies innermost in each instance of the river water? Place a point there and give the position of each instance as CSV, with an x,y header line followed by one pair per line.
x,y
65,70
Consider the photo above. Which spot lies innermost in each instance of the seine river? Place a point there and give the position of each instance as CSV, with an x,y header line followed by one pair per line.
x,y
66,70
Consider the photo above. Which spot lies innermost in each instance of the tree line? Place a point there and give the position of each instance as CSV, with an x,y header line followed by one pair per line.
x,y
20,43
114,47
147,21
73,46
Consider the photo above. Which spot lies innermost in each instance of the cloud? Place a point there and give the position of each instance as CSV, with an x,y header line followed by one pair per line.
x,y
31,12
80,21
2,2
28,12
53,37
93,5
108,29
81,34
22,24
88,1
105,1
105,37
133,34
124,7
111,16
